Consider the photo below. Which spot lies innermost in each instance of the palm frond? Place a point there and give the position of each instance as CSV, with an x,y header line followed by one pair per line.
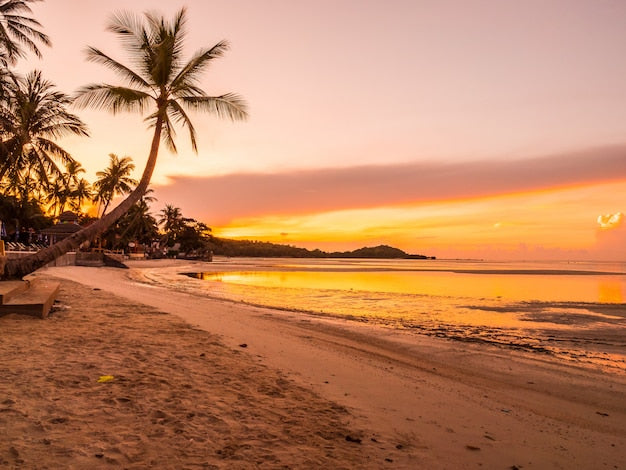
x,y
198,63
27,26
60,129
169,134
53,150
129,27
24,39
182,117
44,164
230,105
113,98
11,48
166,45
98,57
17,30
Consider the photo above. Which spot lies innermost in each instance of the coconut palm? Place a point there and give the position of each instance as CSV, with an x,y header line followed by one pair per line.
x,y
76,190
18,31
172,221
72,172
22,185
81,192
146,199
171,218
57,196
161,82
114,180
31,119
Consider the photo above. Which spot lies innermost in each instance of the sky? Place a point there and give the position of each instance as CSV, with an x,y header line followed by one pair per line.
x,y
463,129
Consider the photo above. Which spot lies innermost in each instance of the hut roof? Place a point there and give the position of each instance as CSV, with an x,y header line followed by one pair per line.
x,y
68,216
59,229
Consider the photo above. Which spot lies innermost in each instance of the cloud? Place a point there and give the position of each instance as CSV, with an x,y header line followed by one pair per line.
x,y
608,221
220,199
611,237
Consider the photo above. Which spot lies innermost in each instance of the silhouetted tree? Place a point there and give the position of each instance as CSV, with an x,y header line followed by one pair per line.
x,y
18,31
114,180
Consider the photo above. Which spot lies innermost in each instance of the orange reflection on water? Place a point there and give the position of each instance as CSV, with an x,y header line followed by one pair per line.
x,y
570,318
611,292
514,287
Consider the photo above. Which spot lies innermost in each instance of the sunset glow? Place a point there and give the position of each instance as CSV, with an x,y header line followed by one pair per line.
x,y
480,129
556,224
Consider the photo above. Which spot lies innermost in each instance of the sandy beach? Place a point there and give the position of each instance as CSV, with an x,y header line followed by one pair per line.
x,y
188,381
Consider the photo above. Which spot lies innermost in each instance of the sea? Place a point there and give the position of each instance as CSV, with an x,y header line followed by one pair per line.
x,y
568,310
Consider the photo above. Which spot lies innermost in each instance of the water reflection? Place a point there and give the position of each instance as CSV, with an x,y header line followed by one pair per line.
x,y
514,287
572,312
611,292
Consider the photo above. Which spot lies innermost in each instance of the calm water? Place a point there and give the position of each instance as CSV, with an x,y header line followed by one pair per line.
x,y
575,311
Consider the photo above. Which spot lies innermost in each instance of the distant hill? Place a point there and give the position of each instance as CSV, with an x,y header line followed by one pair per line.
x,y
250,248
381,251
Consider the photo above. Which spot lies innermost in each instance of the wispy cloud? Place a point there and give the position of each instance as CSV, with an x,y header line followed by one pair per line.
x,y
220,199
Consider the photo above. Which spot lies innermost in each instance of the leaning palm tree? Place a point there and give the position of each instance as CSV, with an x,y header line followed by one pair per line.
x,y
114,180
163,83
18,30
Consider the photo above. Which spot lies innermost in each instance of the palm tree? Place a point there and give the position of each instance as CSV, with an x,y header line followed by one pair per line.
x,y
57,196
163,81
75,190
81,192
145,199
172,220
22,185
33,116
60,192
114,180
72,171
17,30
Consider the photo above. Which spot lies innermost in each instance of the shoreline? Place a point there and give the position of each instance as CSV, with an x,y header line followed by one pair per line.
x,y
446,404
565,330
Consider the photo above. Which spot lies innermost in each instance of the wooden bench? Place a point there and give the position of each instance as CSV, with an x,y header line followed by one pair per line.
x,y
10,289
35,299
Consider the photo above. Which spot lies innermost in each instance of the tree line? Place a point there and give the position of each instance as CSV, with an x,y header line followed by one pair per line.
x,y
251,248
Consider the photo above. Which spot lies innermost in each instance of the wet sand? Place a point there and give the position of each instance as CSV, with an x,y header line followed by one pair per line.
x,y
304,392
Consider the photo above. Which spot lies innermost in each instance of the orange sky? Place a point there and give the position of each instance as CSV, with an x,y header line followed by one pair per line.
x,y
458,129
552,224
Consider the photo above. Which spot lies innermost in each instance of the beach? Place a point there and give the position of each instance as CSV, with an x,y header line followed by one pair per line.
x,y
128,374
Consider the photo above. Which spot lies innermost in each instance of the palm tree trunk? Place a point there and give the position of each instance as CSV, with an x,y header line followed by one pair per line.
x,y
18,267
106,206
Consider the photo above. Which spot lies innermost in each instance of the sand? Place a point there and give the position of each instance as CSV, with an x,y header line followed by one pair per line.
x,y
203,383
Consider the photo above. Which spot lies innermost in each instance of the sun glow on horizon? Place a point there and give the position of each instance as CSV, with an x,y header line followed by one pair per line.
x,y
557,223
